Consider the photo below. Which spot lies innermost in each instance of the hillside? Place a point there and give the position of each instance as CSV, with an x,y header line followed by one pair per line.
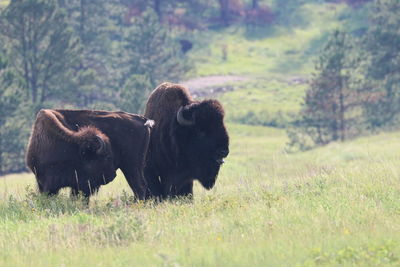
x,y
275,62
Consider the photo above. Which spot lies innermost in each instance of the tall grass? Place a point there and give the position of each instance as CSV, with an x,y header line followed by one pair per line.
x,y
338,205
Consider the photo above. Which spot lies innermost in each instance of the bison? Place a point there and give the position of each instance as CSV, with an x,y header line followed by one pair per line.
x,y
82,149
189,141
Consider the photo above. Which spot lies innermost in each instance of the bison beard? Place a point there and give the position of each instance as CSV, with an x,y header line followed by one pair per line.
x,y
189,141
82,149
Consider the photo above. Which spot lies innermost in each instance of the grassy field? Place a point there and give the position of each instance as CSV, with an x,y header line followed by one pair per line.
x,y
335,205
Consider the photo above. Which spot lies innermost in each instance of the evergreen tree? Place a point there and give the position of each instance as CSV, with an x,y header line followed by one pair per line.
x,y
383,74
151,52
44,53
93,25
11,147
329,110
134,93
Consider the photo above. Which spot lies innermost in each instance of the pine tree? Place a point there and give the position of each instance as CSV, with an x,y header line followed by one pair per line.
x,y
329,111
44,53
134,93
150,51
11,146
93,25
383,74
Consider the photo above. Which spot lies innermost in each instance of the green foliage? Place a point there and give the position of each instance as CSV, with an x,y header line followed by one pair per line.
x,y
11,150
134,93
363,88
42,55
149,57
151,50
329,109
376,254
42,48
383,53
94,25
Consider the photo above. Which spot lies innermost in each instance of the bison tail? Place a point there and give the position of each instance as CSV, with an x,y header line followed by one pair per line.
x,y
149,123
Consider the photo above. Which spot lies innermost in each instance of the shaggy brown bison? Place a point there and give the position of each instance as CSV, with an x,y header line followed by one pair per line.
x,y
189,141
82,149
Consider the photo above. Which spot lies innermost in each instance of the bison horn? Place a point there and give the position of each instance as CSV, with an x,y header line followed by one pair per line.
x,y
181,120
102,144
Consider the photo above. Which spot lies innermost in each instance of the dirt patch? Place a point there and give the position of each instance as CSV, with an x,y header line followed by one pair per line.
x,y
211,85
296,80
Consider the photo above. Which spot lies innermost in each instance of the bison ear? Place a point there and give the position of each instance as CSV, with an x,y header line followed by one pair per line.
x,y
185,115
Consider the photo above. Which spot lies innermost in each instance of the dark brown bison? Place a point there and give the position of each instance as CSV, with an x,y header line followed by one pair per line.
x,y
189,141
82,149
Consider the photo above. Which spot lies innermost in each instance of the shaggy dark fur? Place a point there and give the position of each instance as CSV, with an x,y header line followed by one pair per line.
x,y
180,153
82,149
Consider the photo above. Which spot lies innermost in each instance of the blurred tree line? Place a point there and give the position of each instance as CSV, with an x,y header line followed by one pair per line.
x,y
77,54
109,54
356,84
103,54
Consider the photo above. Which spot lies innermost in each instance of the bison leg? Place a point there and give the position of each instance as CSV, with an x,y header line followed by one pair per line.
x,y
154,188
49,188
86,191
186,190
49,181
176,186
136,182
171,190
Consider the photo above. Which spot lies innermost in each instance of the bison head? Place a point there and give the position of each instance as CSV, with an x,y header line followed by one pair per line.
x,y
202,140
97,159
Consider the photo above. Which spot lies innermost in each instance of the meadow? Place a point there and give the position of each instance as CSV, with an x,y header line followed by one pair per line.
x,y
335,205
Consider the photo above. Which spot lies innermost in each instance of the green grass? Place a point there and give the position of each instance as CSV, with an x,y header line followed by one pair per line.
x,y
337,205
267,51
264,102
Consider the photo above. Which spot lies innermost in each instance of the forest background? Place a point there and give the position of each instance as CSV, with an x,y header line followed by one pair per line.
x,y
323,70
